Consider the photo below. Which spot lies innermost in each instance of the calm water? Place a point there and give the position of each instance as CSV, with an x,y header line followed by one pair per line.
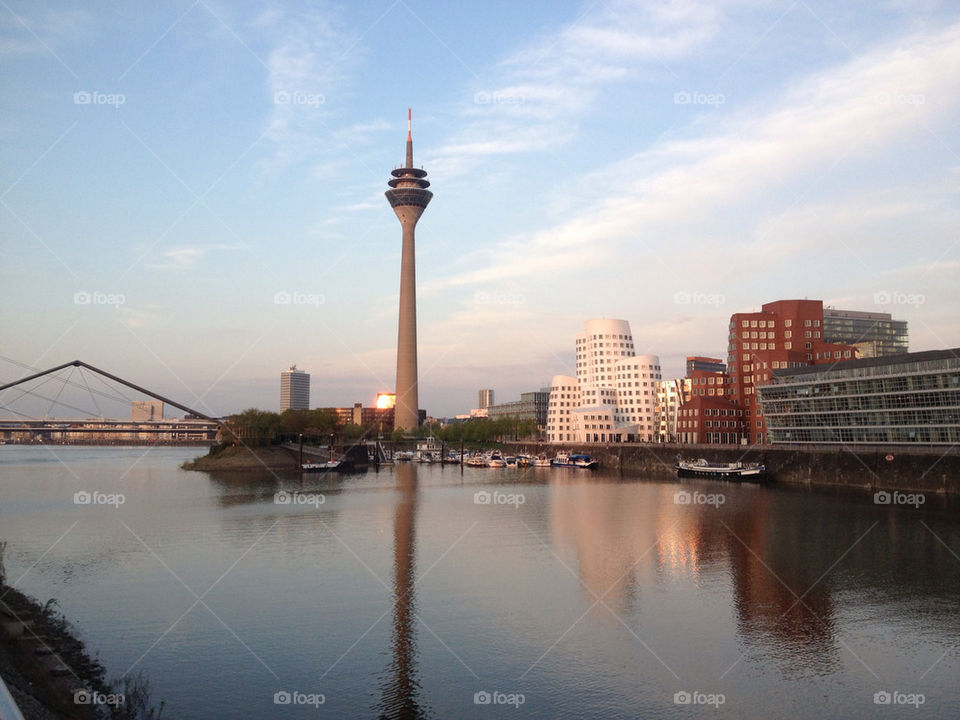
x,y
598,596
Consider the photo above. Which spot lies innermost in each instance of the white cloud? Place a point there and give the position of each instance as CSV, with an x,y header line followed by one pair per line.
x,y
832,117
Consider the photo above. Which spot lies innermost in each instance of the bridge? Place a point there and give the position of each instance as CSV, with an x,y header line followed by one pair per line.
x,y
199,427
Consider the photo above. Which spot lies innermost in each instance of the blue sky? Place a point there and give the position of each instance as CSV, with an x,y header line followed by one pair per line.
x,y
170,170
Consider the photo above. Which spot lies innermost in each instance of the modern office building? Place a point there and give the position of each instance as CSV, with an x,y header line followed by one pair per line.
x,y
881,334
784,334
409,197
613,397
146,410
294,389
531,406
671,395
484,398
912,398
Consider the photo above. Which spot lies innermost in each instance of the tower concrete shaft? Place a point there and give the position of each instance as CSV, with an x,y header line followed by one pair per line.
x,y
408,197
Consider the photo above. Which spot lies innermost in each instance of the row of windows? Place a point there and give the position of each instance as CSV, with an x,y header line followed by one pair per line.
x,y
864,402
888,418
872,435
910,383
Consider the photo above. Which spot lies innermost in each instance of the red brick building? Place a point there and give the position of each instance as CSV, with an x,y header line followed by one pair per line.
x,y
709,415
786,333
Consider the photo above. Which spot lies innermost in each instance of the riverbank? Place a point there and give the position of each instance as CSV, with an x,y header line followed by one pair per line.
x,y
42,662
49,672
913,469
240,457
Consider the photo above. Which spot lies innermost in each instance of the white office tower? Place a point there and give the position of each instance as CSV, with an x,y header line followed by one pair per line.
x,y
294,389
616,395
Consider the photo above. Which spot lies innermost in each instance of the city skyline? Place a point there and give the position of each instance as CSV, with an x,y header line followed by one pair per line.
x,y
191,195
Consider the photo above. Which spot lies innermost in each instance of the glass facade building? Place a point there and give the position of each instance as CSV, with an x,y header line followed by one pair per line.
x,y
852,327
530,406
910,398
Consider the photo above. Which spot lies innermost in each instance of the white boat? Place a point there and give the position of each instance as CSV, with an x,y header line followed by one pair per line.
x,y
476,461
323,466
496,460
403,456
751,472
574,460
541,461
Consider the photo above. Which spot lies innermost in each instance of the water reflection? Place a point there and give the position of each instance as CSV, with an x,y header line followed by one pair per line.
x,y
631,537
400,685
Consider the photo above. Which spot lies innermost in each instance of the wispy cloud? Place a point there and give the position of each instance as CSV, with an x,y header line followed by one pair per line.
x,y
536,97
844,116
188,257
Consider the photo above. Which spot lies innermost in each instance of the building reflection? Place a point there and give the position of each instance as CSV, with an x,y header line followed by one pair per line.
x,y
630,538
400,685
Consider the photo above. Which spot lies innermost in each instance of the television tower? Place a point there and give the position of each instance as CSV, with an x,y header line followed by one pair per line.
x,y
408,197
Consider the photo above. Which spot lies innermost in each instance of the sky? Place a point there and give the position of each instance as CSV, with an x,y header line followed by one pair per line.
x,y
191,193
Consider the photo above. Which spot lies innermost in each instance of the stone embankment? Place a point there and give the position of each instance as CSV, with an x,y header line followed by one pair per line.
x,y
915,469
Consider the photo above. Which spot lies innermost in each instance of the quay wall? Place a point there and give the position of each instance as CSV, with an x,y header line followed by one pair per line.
x,y
926,469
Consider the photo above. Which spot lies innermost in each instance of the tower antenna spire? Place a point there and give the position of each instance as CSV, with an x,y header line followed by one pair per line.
x,y
409,137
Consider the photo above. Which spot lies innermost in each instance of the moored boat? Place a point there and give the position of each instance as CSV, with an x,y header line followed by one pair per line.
x,y
325,466
750,472
496,460
574,460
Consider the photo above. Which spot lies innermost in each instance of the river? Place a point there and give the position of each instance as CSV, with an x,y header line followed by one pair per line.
x,y
419,591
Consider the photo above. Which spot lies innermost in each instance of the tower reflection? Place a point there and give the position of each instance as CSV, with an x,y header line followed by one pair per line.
x,y
400,687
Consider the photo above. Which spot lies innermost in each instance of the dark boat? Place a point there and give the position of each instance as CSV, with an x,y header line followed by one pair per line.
x,y
330,466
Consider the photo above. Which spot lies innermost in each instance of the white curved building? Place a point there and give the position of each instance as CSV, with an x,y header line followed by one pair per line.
x,y
613,398
564,399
